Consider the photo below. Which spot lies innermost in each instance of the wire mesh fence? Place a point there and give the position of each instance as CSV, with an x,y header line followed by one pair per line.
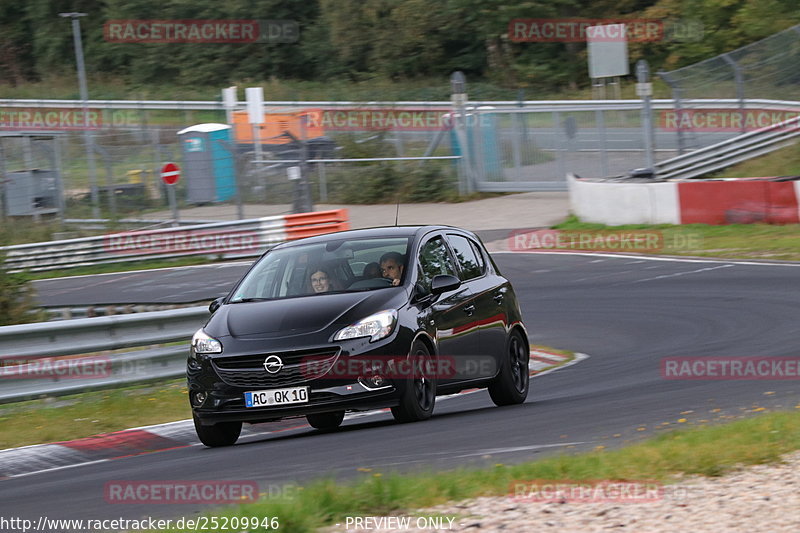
x,y
766,69
530,149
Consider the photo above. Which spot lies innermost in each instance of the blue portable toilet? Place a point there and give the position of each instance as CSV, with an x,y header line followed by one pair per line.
x,y
483,143
209,165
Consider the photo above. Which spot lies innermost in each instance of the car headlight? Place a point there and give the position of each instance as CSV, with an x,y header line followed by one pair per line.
x,y
375,327
202,343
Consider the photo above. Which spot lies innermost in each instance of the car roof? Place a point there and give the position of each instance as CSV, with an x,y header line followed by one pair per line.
x,y
383,231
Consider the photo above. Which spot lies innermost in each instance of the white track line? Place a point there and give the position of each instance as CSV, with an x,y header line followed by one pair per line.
x,y
655,258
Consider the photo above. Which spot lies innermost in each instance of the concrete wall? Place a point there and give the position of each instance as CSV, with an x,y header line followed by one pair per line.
x,y
735,201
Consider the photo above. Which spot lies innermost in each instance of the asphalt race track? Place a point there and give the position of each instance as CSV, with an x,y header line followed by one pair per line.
x,y
626,313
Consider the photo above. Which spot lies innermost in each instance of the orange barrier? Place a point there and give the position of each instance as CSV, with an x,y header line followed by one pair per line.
x,y
316,223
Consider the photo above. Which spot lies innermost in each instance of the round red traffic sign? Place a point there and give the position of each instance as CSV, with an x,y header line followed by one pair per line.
x,y
170,173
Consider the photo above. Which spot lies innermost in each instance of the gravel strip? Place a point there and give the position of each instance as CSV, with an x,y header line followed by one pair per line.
x,y
754,498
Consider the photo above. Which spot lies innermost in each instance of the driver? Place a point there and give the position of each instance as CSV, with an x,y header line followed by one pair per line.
x,y
392,264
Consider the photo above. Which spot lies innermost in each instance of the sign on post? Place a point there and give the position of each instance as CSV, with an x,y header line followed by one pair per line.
x,y
607,47
170,173
255,115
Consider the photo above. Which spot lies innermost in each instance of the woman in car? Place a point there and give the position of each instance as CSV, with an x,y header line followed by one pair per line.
x,y
320,280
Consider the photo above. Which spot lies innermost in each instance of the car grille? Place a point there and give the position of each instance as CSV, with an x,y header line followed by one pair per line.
x,y
299,367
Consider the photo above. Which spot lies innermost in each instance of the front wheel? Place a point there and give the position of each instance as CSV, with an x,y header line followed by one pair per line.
x,y
419,392
513,382
220,434
325,421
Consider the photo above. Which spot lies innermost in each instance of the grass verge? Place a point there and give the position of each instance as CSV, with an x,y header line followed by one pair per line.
x,y
734,241
783,162
708,451
90,413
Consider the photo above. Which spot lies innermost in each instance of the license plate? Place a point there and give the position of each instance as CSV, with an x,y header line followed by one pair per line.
x,y
267,398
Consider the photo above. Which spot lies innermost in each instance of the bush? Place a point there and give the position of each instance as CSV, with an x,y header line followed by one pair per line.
x,y
17,305
387,181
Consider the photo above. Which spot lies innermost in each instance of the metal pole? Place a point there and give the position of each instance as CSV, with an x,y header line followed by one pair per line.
x,y
3,191
458,90
303,202
737,74
59,181
87,134
323,183
676,95
600,118
173,205
645,90
558,145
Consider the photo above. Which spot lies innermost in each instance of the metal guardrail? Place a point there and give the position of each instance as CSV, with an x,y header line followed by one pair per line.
x,y
729,152
563,105
234,239
36,359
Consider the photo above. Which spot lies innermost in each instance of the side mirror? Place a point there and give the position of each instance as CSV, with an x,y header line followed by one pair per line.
x,y
444,283
213,306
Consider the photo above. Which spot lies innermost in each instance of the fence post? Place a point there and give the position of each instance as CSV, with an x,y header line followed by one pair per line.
x,y
558,144
737,74
645,88
2,181
676,96
600,118
458,89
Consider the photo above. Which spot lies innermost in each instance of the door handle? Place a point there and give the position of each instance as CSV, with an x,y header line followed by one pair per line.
x,y
498,298
469,309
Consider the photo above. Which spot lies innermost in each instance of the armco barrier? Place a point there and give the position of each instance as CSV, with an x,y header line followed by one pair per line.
x,y
27,351
730,201
241,238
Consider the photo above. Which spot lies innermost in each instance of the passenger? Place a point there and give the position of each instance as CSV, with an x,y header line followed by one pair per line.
x,y
392,266
320,280
372,270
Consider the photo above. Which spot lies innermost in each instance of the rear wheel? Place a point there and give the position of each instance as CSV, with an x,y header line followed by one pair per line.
x,y
513,382
326,421
220,434
419,394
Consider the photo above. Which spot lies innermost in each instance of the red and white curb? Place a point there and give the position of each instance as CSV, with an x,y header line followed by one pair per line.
x,y
28,460
542,360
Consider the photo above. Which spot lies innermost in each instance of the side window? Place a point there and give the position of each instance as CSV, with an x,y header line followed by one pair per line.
x,y
434,260
478,249
471,265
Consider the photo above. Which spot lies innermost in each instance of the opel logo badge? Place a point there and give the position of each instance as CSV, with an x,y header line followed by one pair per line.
x,y
273,364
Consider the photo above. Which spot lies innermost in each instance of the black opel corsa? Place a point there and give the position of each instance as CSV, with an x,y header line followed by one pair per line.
x,y
357,320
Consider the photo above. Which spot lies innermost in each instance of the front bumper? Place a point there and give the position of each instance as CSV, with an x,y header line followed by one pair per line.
x,y
225,395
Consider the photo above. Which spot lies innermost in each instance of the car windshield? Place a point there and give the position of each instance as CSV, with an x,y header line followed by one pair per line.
x,y
335,266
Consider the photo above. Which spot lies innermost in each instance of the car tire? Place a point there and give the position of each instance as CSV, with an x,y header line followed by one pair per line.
x,y
220,434
419,393
511,385
325,421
